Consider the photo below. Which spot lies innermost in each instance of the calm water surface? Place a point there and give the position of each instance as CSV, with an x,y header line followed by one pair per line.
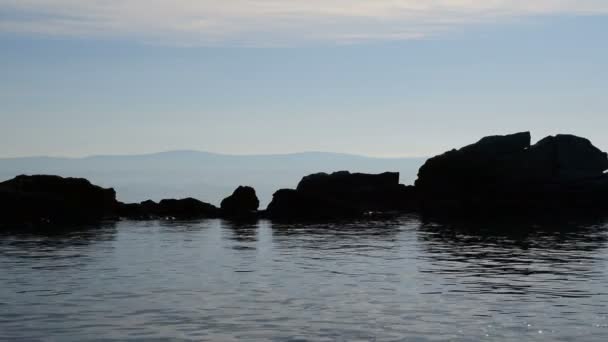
x,y
394,280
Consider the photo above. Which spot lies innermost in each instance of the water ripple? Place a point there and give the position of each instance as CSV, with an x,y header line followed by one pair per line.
x,y
403,279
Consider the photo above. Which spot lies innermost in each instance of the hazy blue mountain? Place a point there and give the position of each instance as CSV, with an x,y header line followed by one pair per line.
x,y
207,176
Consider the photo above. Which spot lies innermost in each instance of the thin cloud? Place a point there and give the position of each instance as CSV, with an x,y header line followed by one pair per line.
x,y
260,22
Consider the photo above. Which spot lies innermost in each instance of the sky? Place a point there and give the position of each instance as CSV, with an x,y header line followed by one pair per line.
x,y
383,78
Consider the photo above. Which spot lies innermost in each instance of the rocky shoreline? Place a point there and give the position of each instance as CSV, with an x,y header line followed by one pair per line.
x,y
498,175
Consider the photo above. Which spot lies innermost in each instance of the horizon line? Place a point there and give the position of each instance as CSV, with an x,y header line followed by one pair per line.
x,y
143,154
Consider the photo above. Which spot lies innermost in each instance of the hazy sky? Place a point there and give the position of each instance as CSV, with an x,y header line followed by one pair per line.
x,y
381,78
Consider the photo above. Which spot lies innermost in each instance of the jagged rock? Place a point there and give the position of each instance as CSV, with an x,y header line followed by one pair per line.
x,y
242,202
505,173
53,199
342,194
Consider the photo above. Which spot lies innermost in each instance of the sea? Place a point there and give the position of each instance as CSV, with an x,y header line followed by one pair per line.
x,y
402,278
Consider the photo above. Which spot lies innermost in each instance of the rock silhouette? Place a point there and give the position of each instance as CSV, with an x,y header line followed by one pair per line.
x,y
342,194
496,175
290,204
506,174
242,203
134,211
53,199
472,166
187,208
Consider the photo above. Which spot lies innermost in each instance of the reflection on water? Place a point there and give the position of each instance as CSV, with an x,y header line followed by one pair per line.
x,y
241,231
530,259
390,280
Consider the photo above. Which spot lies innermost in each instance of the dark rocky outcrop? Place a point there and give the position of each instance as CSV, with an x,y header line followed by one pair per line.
x,y
134,211
496,175
242,203
43,199
187,208
290,204
563,158
365,192
506,174
53,199
341,194
472,166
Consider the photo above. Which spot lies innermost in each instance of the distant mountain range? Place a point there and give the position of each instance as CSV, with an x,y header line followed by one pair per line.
x,y
203,175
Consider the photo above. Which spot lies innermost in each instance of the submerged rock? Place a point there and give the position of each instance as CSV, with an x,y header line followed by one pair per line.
x,y
507,174
242,202
53,199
